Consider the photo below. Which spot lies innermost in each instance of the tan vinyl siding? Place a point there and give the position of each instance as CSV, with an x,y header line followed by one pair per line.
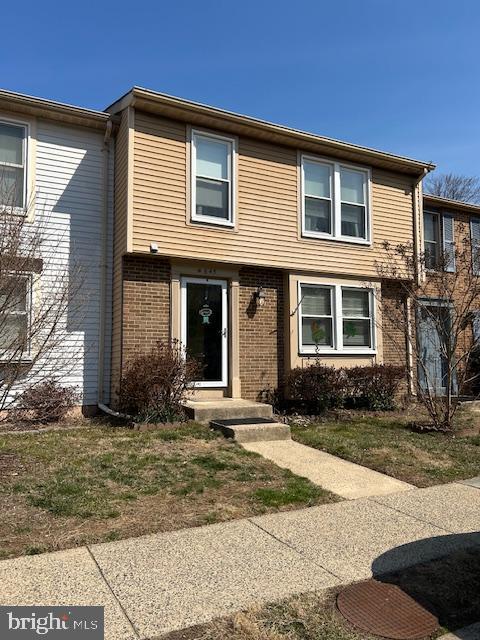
x,y
119,242
267,229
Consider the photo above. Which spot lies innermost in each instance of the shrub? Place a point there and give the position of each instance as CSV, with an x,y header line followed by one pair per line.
x,y
373,387
154,385
316,388
46,402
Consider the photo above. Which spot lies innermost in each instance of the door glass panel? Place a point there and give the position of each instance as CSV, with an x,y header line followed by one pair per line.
x,y
204,328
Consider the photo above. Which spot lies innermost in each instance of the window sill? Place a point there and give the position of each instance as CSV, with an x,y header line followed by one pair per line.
x,y
338,352
212,222
311,235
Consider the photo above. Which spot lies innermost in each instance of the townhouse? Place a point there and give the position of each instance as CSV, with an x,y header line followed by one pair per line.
x,y
60,159
451,232
253,244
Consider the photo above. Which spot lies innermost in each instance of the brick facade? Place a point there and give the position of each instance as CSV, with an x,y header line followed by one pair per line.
x,y
393,324
146,304
262,332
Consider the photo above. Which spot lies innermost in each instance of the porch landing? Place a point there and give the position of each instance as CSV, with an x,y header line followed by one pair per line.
x,y
207,410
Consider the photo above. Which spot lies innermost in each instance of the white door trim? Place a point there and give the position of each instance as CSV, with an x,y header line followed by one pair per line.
x,y
224,342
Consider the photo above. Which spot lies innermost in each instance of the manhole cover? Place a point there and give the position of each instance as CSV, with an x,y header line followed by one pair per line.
x,y
385,610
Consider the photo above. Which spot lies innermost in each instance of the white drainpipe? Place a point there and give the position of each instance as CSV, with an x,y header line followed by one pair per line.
x,y
104,266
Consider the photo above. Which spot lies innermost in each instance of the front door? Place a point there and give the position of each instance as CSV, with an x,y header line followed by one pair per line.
x,y
433,323
205,328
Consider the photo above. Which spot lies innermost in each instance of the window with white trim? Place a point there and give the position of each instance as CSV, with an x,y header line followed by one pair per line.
x,y
335,200
335,318
13,163
356,318
15,296
212,178
439,241
316,316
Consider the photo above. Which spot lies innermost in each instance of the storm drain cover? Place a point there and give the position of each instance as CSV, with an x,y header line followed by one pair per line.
x,y
385,610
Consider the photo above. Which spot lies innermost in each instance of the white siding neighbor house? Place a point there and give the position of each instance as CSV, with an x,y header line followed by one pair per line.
x,y
62,158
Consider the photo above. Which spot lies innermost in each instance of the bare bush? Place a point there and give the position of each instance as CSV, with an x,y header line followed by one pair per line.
x,y
155,384
46,402
433,317
37,293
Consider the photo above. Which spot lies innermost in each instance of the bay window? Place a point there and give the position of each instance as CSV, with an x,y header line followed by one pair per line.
x,y
335,200
13,152
212,179
336,319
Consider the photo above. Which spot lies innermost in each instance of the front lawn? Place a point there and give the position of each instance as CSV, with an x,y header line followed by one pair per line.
x,y
60,489
389,446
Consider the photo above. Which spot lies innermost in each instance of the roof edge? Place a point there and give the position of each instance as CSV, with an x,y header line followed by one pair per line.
x,y
449,203
52,106
129,98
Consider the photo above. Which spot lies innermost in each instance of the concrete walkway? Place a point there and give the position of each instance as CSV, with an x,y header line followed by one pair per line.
x,y
163,582
346,479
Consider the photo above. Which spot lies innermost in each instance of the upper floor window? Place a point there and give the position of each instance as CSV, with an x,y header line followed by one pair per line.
x,y
335,201
336,318
212,179
13,152
439,241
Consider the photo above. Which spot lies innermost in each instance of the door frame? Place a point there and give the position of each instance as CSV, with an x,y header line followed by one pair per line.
x,y
184,280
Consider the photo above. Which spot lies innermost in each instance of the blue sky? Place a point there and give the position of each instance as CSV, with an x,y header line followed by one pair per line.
x,y
402,76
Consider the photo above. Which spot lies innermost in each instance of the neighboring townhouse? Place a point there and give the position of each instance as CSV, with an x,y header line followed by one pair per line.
x,y
449,227
253,244
62,159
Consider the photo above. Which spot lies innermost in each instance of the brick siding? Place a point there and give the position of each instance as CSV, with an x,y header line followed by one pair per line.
x,y
146,304
262,332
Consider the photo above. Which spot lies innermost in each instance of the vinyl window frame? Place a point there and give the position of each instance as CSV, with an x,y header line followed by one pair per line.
x,y
337,323
232,180
336,199
25,356
26,161
312,348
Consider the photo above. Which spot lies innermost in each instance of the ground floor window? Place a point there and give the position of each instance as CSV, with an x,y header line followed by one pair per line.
x,y
335,318
15,295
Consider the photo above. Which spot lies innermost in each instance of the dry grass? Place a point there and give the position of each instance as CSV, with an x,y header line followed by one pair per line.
x,y
60,489
387,445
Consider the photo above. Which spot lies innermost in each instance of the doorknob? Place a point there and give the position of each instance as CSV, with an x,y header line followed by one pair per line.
x,y
223,332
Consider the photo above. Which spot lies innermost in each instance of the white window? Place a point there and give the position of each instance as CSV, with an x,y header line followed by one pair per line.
x,y
431,232
13,173
317,188
15,296
335,318
212,179
356,318
317,316
335,201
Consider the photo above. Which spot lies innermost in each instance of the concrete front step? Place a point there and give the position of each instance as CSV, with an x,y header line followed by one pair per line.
x,y
226,408
252,429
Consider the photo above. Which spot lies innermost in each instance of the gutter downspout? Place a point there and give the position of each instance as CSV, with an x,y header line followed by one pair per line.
x,y
104,265
418,224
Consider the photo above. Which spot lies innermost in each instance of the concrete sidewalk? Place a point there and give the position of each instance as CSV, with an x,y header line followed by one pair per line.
x,y
346,479
158,583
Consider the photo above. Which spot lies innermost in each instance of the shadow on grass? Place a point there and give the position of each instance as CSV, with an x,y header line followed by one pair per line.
x,y
443,576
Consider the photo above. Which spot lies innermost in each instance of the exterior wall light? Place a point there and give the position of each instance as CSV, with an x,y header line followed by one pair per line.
x,y
260,297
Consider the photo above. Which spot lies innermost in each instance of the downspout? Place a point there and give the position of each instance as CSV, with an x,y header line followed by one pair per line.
x,y
417,226
104,266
